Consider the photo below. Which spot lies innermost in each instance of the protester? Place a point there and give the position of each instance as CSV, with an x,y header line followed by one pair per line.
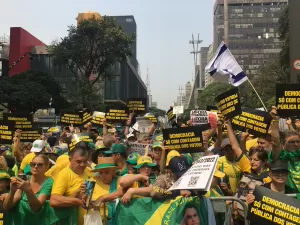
x,y
107,187
66,187
290,152
177,166
118,152
38,147
279,173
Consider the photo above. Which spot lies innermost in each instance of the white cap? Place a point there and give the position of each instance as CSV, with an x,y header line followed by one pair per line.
x,y
37,146
225,142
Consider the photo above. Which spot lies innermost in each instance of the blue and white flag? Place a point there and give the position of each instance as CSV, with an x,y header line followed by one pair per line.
x,y
224,63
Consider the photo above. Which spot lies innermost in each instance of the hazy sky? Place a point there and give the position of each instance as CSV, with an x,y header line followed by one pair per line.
x,y
164,28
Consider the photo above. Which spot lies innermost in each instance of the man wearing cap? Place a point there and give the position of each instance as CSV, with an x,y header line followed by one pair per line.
x,y
38,147
118,152
177,166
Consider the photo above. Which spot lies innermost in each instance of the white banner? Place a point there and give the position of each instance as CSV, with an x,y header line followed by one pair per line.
x,y
177,110
199,117
199,176
137,147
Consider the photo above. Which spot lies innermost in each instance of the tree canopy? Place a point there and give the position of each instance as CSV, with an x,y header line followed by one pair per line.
x,y
156,112
89,51
26,92
209,94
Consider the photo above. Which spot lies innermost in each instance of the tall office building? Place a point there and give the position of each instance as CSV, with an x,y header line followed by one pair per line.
x,y
210,54
253,31
203,63
129,25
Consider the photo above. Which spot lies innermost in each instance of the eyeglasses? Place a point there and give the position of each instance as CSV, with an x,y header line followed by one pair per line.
x,y
38,165
279,173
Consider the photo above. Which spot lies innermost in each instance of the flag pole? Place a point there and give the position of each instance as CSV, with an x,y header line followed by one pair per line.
x,y
257,95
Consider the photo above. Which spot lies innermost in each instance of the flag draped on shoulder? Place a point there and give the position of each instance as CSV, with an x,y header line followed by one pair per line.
x,y
224,63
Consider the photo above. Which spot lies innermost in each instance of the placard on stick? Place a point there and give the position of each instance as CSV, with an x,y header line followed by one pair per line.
x,y
272,207
288,99
184,139
138,105
30,135
68,118
20,121
170,114
6,132
117,114
229,103
138,148
255,121
86,116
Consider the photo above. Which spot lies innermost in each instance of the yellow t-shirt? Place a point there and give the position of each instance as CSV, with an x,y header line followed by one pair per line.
x,y
62,162
100,190
234,169
68,183
27,160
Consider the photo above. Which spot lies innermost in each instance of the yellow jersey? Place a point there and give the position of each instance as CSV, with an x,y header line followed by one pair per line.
x,y
27,160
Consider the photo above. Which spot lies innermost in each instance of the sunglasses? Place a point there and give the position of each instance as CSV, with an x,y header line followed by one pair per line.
x,y
38,165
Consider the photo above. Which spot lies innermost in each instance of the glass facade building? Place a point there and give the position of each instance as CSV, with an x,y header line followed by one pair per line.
x,y
123,83
253,31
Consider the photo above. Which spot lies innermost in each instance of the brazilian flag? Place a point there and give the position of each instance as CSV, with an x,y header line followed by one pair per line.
x,y
179,211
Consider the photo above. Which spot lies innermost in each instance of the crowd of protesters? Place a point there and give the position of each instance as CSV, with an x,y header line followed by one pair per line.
x,y
46,173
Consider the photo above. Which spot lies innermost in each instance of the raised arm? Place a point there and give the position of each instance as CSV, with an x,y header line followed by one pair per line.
x,y
275,136
243,141
289,124
219,135
129,120
234,143
17,145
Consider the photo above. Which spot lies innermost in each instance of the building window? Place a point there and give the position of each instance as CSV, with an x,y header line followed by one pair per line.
x,y
129,20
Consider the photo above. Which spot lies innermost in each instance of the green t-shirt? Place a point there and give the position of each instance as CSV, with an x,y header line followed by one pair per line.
x,y
293,159
45,189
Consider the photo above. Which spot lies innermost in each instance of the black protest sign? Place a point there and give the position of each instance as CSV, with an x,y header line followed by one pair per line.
x,y
184,139
6,132
257,122
21,121
68,118
86,116
229,103
270,207
116,115
97,119
288,99
212,108
170,114
30,135
138,105
82,137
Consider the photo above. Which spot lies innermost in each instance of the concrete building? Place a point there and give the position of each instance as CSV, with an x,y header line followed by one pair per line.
x,y
4,55
253,31
210,54
202,64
